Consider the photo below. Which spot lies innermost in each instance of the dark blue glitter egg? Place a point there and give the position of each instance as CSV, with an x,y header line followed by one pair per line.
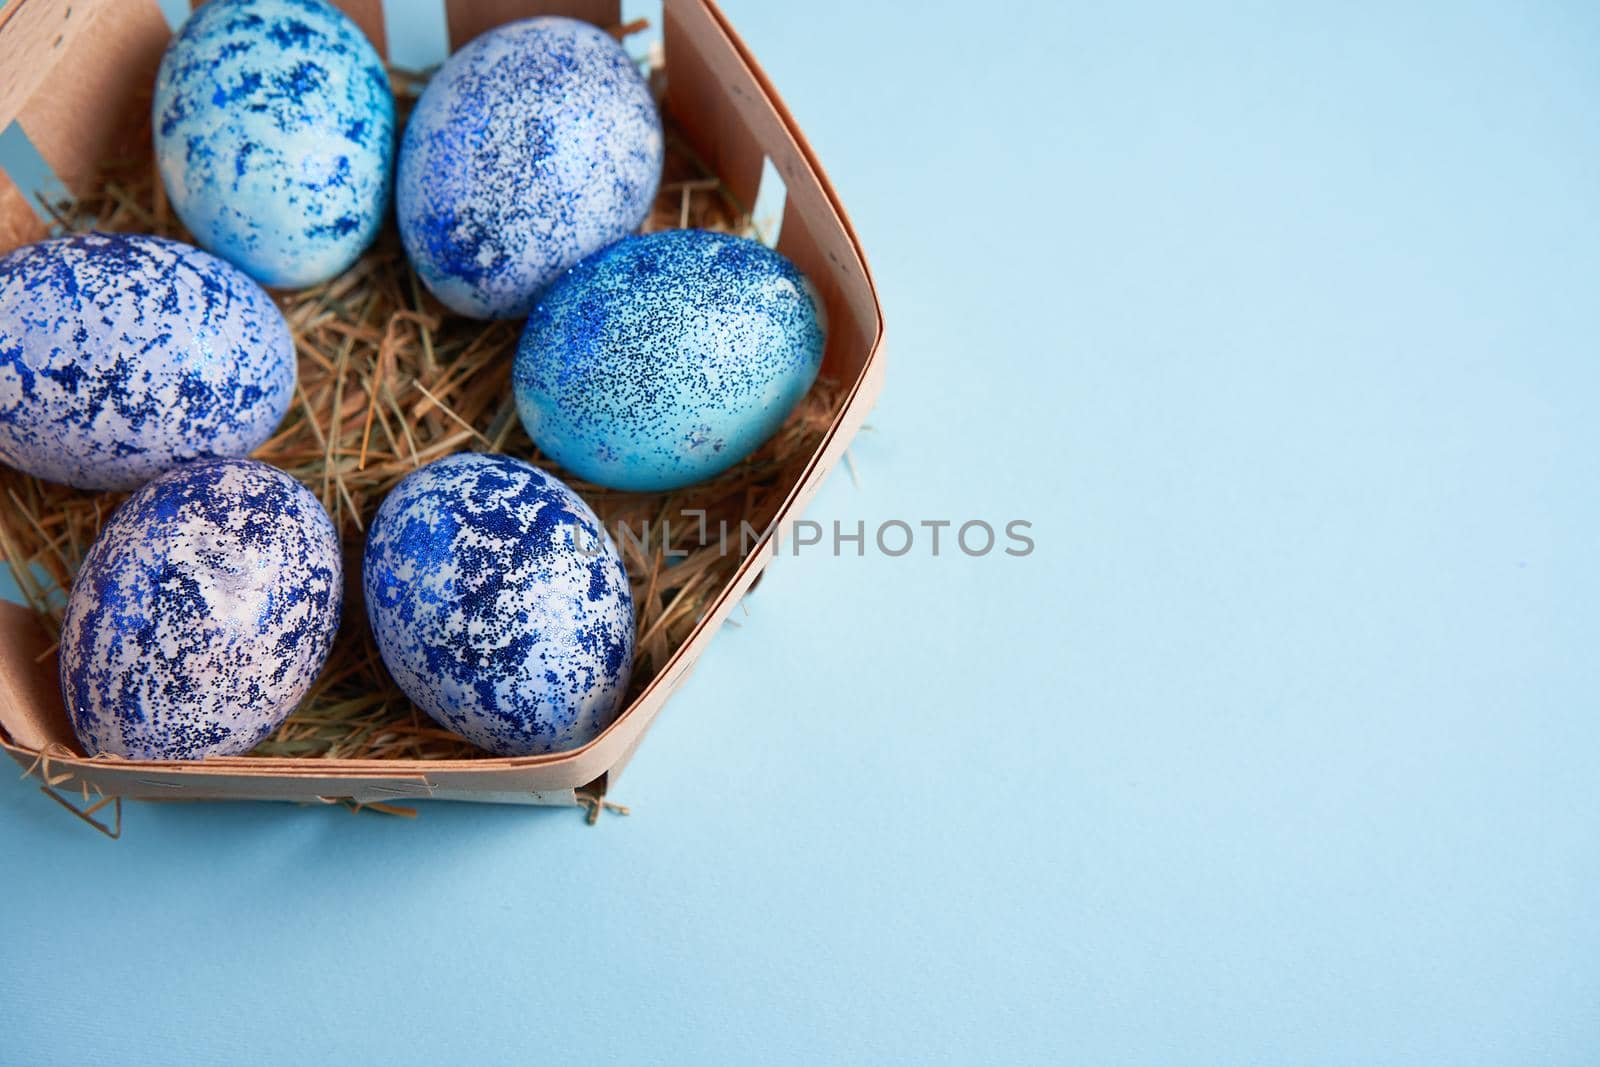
x,y
665,359
123,355
500,604
201,615
533,146
274,128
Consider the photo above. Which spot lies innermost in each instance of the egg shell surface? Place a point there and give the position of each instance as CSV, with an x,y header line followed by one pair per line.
x,y
274,130
533,146
201,615
499,604
665,359
124,355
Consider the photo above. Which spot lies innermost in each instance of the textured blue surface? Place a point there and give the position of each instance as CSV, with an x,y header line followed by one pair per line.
x,y
274,127
201,615
122,356
665,359
499,604
1279,322
534,145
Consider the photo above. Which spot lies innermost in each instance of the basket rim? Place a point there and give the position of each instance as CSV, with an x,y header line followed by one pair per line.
x,y
602,752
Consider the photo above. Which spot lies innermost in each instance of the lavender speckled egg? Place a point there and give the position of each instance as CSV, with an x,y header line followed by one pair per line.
x,y
500,604
665,359
274,129
123,355
533,146
201,615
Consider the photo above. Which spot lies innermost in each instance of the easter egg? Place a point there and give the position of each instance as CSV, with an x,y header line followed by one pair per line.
x,y
274,131
500,604
123,355
533,146
665,359
201,614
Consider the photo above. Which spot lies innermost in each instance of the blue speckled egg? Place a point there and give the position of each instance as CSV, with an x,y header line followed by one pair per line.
x,y
123,355
499,604
274,129
533,146
201,615
664,360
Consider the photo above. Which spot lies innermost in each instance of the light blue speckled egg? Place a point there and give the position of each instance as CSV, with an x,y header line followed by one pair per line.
x,y
665,359
500,604
533,146
201,615
123,355
274,129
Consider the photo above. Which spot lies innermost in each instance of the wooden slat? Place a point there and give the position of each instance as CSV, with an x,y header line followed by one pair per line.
x,y
34,36
30,690
848,344
19,223
698,97
94,103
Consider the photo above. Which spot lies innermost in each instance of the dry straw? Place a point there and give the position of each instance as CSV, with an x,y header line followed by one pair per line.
x,y
390,380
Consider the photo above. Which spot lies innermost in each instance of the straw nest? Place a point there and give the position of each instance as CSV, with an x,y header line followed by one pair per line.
x,y
390,380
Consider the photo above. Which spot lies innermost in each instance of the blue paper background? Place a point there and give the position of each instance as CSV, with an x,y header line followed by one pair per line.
x,y
1279,323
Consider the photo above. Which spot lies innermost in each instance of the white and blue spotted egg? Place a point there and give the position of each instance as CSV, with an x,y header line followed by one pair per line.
x,y
500,604
666,359
201,615
274,130
533,146
123,355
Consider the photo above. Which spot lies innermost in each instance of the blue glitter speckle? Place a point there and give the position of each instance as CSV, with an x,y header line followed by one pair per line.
x,y
533,146
201,615
488,613
256,103
123,355
665,359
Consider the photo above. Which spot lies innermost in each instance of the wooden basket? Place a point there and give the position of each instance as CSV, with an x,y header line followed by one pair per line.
x,y
72,72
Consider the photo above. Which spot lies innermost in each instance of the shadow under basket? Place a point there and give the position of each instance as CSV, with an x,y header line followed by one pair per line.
x,y
61,61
